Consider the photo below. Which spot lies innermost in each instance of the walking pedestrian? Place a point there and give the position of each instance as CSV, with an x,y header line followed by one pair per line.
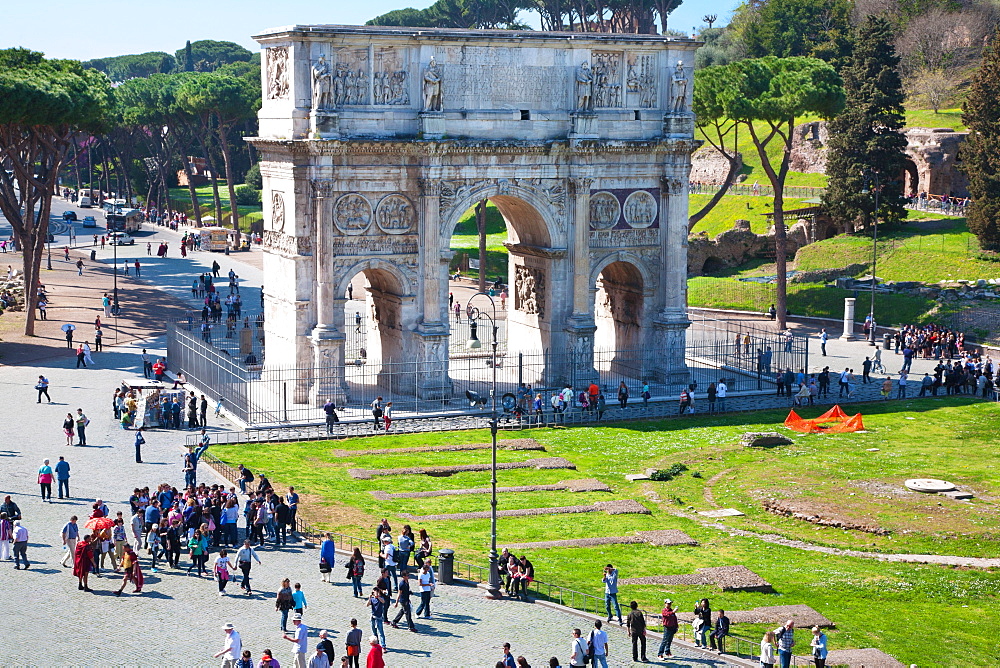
x,y
352,645
81,426
62,476
326,646
375,659
387,415
42,386
19,537
147,364
283,602
376,407
79,266
70,537
598,641
221,570
636,625
243,560
299,636
578,650
611,592
901,386
139,440
131,571
232,648
356,570
299,600
823,338
81,358
426,580
403,602
45,480
137,274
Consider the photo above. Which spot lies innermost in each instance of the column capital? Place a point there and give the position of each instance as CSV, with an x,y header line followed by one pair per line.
x,y
429,187
580,185
322,188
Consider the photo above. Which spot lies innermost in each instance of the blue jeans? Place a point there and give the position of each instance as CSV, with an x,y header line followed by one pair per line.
x,y
284,620
784,658
601,659
425,604
702,637
395,579
357,585
243,485
668,639
378,631
608,600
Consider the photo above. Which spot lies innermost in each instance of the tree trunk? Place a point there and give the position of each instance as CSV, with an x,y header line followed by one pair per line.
x,y
230,185
76,164
780,256
481,229
214,175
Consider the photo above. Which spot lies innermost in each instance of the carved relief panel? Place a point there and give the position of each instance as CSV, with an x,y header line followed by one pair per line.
x,y
350,78
394,214
607,86
623,209
389,78
277,65
529,290
641,81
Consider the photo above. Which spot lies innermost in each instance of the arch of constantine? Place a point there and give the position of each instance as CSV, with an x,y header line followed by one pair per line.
x,y
374,141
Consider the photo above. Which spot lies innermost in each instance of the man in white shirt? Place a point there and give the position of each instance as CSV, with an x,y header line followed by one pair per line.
x,y
578,649
598,639
20,536
233,648
389,554
301,639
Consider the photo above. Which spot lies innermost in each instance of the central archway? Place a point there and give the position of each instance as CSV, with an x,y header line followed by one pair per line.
x,y
618,313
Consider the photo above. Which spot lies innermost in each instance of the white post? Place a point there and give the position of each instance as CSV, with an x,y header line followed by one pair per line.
x,y
848,334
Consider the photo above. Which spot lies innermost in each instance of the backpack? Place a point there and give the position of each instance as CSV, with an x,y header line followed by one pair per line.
x,y
358,570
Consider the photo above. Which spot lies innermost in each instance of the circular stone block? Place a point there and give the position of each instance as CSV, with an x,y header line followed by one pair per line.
x,y
928,485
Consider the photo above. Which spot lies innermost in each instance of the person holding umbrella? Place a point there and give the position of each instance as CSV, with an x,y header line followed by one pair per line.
x,y
68,328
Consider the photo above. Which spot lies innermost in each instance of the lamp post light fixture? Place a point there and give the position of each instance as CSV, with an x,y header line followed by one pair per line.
x,y
474,344
872,178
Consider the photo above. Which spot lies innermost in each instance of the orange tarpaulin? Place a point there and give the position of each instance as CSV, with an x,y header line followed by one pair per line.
x,y
841,422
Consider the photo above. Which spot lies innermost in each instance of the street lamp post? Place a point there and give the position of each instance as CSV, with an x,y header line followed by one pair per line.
x,y
473,344
873,177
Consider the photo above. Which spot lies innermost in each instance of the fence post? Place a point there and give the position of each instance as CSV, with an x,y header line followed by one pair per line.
x,y
284,399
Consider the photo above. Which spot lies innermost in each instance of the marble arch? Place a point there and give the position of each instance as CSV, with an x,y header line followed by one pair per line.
x,y
378,139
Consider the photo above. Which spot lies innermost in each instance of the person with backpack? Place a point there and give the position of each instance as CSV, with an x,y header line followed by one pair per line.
x,y
685,402
356,570
578,650
597,645
377,412
243,557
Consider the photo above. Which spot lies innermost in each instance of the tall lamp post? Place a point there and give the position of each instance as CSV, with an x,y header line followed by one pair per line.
x,y
872,178
473,344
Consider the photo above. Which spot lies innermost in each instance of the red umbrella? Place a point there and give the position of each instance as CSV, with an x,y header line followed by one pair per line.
x,y
99,523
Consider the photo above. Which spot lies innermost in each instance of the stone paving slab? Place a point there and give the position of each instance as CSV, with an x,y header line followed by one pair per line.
x,y
859,658
617,507
726,578
663,538
505,444
802,615
582,485
537,463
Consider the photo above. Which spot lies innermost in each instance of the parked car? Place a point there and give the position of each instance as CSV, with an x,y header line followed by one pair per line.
x,y
89,221
121,239
69,215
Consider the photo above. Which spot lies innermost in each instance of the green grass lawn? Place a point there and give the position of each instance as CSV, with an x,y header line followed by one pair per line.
x,y
734,207
926,118
874,604
465,240
182,198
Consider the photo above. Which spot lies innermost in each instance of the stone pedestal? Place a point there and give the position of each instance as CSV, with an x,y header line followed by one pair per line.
x,y
324,125
678,124
578,369
848,334
433,382
328,380
432,125
668,337
584,125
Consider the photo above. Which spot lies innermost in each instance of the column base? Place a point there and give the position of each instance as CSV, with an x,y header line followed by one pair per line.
x,y
584,125
579,370
327,380
670,364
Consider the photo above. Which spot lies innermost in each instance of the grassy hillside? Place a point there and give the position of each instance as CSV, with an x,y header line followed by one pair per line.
x,y
926,118
733,207
465,240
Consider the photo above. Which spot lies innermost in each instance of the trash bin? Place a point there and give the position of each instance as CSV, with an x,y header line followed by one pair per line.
x,y
93,256
446,566
887,341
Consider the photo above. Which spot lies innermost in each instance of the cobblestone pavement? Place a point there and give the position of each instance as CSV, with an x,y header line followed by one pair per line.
x,y
178,617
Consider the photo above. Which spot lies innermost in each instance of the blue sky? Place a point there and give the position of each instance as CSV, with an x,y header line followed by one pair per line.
x,y
82,31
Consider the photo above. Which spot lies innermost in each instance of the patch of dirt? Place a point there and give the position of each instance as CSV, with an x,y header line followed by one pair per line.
x,y
879,488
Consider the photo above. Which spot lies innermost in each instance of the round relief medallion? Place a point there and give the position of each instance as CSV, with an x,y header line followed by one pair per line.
x,y
640,209
352,214
277,212
604,210
394,214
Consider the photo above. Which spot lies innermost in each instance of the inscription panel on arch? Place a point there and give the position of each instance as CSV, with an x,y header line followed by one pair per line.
x,y
494,77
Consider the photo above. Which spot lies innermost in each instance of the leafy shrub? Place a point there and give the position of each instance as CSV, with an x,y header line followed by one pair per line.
x,y
247,195
253,178
668,474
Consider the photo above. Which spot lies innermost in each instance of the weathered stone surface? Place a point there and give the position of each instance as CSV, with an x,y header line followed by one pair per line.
x,y
664,538
581,485
764,439
506,444
727,578
958,495
721,512
538,463
617,507
803,616
868,657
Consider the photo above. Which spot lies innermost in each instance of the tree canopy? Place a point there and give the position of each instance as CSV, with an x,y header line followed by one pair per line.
x,y
784,28
207,55
867,139
979,152
42,104
122,68
766,95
